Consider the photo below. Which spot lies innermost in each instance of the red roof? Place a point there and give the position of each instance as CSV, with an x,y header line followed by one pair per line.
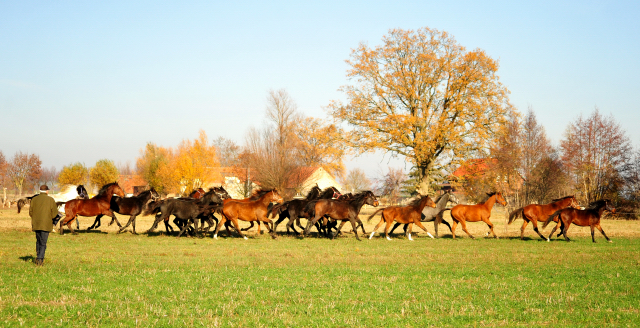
x,y
127,182
473,167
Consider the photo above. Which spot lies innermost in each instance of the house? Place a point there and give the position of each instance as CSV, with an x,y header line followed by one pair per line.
x,y
307,177
132,184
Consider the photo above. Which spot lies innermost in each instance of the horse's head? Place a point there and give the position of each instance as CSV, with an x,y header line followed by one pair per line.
x,y
428,201
275,196
336,193
154,194
499,198
453,198
221,192
371,199
609,207
574,203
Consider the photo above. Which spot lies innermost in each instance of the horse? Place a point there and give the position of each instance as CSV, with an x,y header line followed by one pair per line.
x,y
188,210
255,210
340,210
209,198
132,206
99,204
254,196
197,193
475,213
430,214
587,217
534,213
22,202
409,214
294,209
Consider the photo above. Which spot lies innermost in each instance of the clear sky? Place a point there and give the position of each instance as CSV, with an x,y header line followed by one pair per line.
x,y
83,80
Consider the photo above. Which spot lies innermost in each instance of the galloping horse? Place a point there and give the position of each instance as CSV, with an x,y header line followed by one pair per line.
x,y
409,214
294,209
475,213
255,210
340,210
132,206
534,213
430,214
99,204
587,217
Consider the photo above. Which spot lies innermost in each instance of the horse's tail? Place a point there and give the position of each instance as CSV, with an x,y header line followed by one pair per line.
x,y
277,209
551,217
374,214
439,216
514,215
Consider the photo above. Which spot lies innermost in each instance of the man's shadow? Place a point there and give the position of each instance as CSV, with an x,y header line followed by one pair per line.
x,y
28,258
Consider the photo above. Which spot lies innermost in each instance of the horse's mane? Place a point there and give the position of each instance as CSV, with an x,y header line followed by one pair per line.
x,y
315,191
259,193
104,188
326,191
563,198
417,201
360,195
440,197
597,204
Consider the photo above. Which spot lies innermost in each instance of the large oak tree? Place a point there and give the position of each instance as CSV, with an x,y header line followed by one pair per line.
x,y
423,96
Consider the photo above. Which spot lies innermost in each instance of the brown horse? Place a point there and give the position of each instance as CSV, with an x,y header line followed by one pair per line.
x,y
587,217
255,210
475,213
339,210
99,204
409,214
534,213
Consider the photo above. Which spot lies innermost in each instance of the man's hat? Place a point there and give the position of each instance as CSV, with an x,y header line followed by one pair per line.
x,y
44,187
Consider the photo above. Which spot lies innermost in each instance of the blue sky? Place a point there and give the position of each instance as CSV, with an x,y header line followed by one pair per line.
x,y
83,81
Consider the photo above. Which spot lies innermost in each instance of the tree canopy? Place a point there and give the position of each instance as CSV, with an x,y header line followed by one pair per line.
x,y
423,96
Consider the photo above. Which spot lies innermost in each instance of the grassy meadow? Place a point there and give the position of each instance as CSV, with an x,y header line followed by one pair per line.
x,y
101,278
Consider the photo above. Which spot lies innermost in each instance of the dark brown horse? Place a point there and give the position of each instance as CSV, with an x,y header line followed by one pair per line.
x,y
587,217
132,206
99,204
255,210
294,209
475,213
340,210
409,214
534,213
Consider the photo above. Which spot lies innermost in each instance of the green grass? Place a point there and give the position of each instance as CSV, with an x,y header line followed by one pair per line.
x,y
104,279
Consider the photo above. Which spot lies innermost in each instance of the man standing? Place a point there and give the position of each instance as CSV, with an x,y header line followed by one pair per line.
x,y
42,211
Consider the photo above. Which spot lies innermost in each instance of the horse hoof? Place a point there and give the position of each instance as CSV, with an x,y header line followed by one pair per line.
x,y
245,238
430,235
388,238
548,240
611,241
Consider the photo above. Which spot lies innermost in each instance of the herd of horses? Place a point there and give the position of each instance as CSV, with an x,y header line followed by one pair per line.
x,y
323,209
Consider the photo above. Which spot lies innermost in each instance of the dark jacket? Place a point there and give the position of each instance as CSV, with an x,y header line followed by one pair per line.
x,y
42,210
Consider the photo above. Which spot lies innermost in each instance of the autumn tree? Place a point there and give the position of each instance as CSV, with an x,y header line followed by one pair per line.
x,y
24,170
270,151
3,169
49,176
597,153
73,174
104,172
227,152
390,186
320,144
423,96
152,158
356,181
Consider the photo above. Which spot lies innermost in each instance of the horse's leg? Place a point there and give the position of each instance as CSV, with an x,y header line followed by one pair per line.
x,y
235,224
131,218
408,233
565,229
69,225
419,224
376,227
453,228
463,224
251,226
77,224
293,219
155,223
361,225
491,227
534,223
593,230
524,225
96,222
353,225
279,220
435,226
554,230
114,218
183,228
597,225
338,229
222,221
395,226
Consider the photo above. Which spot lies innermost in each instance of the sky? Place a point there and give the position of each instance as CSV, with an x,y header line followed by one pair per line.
x,y
82,81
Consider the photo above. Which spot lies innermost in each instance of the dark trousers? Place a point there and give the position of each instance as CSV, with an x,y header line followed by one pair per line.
x,y
41,243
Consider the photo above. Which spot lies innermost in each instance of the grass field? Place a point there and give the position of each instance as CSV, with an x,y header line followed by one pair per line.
x,y
105,279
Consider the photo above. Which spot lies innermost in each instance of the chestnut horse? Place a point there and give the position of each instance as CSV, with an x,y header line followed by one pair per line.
x,y
587,217
255,210
534,213
99,204
339,210
475,213
409,214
